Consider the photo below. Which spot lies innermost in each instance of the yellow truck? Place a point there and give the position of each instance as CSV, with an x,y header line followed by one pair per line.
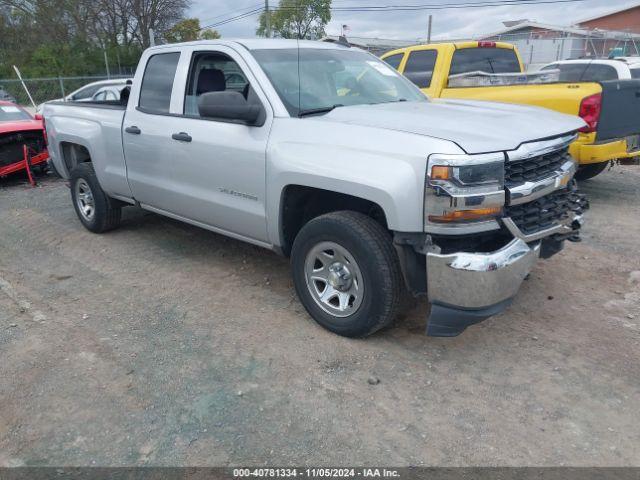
x,y
610,109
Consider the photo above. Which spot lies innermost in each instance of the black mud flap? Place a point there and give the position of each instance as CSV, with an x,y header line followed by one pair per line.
x,y
446,321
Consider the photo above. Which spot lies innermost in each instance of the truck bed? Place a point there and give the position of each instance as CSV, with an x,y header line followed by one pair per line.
x,y
95,130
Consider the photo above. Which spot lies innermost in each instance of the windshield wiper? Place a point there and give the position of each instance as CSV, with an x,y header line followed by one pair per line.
x,y
316,111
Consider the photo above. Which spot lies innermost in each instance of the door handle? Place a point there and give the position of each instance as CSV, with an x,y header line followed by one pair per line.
x,y
181,137
133,130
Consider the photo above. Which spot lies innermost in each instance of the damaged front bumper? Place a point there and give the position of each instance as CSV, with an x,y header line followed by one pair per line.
x,y
466,288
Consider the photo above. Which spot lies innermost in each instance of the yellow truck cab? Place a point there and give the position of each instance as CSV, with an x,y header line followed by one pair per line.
x,y
610,108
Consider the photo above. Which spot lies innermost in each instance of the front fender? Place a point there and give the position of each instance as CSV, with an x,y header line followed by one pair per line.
x,y
382,166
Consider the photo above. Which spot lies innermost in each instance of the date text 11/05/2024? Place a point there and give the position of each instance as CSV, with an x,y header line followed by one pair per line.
x,y
316,472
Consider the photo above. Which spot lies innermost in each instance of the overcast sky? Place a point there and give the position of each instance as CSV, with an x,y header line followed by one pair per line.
x,y
452,23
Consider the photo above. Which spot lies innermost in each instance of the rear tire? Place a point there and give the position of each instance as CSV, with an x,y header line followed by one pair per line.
x,y
96,211
585,172
347,274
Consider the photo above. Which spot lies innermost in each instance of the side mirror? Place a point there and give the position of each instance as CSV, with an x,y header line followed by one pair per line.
x,y
227,106
38,116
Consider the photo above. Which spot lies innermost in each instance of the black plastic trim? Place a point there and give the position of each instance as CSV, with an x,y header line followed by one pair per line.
x,y
450,321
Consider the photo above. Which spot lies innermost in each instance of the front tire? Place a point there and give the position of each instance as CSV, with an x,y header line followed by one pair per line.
x,y
96,211
585,172
347,274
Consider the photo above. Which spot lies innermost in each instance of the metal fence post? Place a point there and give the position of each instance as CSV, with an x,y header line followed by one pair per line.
x,y
61,86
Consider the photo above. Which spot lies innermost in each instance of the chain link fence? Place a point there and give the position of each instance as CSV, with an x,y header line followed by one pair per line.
x,y
48,88
539,50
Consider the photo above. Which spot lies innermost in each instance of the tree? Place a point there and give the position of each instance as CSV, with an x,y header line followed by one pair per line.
x,y
70,37
303,19
208,34
159,15
188,30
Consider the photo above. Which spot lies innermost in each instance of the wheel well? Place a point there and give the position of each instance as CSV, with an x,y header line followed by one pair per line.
x,y
301,204
74,154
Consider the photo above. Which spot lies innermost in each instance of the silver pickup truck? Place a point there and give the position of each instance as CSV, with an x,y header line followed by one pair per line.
x,y
323,153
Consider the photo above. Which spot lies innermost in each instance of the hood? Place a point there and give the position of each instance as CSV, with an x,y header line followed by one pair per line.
x,y
475,126
20,125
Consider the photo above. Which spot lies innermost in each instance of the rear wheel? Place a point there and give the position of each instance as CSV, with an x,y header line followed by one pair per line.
x,y
347,274
585,172
97,212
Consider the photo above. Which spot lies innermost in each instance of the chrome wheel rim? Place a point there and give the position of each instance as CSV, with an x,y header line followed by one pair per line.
x,y
84,200
334,279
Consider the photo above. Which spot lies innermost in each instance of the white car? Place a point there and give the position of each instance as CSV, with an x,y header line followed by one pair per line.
x,y
87,92
588,70
108,93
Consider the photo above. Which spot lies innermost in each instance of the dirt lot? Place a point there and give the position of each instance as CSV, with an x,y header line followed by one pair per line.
x,y
164,344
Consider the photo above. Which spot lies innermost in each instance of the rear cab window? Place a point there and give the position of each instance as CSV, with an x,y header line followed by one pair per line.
x,y
419,67
484,59
157,83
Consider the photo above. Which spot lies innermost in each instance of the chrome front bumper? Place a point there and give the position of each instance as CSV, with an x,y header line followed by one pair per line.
x,y
465,288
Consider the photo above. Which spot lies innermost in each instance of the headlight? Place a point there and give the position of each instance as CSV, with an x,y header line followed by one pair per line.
x,y
464,193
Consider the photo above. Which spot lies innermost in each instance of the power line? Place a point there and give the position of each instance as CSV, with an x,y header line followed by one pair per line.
x,y
444,6
233,19
232,12
401,8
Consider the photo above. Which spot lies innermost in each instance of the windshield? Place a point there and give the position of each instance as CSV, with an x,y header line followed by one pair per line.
x,y
10,113
308,79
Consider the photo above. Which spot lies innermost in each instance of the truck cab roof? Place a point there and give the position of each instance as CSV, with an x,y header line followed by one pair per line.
x,y
257,44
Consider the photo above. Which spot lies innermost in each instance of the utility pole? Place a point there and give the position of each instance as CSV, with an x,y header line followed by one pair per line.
x,y
152,38
429,29
267,18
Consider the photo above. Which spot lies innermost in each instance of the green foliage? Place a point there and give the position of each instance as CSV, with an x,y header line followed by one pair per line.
x,y
188,30
50,38
209,34
303,19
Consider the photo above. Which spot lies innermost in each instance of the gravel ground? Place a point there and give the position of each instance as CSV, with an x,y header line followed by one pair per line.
x,y
163,344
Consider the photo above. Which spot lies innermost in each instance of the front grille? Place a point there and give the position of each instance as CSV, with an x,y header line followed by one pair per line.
x,y
534,169
11,145
548,211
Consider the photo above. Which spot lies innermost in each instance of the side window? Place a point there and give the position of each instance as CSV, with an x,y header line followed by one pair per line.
x,y
394,60
110,95
572,72
157,83
99,96
214,72
86,92
553,66
596,72
419,67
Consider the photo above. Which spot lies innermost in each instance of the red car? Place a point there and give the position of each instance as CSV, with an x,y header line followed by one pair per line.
x,y
18,129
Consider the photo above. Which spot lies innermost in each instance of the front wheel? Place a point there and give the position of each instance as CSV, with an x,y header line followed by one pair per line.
x,y
585,172
346,273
